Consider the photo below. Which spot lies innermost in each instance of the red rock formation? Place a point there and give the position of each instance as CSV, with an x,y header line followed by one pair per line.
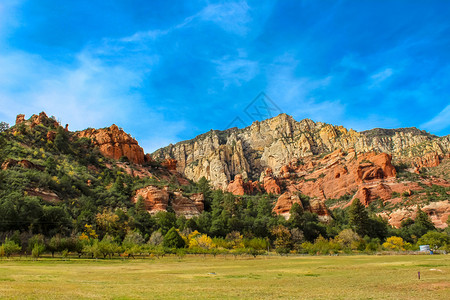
x,y
51,135
236,186
20,119
26,164
284,204
285,172
155,199
437,211
367,194
199,201
384,161
252,187
115,143
318,207
184,206
338,174
270,183
45,195
9,163
428,160
170,164
135,170
147,158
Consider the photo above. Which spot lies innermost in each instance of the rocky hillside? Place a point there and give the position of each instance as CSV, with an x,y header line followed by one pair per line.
x,y
273,143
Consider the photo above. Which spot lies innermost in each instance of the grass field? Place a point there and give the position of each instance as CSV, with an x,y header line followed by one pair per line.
x,y
342,277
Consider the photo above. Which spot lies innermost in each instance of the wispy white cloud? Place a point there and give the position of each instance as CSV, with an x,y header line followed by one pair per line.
x,y
378,78
440,121
295,94
88,93
235,71
230,16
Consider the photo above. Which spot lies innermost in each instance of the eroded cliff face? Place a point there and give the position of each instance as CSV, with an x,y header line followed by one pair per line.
x,y
115,143
273,143
160,199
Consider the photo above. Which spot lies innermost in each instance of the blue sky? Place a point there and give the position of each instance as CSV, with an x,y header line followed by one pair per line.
x,y
170,70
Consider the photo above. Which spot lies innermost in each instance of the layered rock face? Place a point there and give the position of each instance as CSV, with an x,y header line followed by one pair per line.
x,y
284,204
157,199
273,143
115,143
438,212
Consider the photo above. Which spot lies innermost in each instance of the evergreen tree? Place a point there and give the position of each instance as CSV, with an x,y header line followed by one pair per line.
x,y
423,220
173,239
358,217
296,216
204,187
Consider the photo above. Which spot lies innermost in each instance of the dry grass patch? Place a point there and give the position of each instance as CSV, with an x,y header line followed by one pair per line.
x,y
343,277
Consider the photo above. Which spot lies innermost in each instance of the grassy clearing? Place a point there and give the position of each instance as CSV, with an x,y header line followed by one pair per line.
x,y
342,277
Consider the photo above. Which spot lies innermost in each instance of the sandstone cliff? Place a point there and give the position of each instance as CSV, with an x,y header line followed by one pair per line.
x,y
161,199
273,143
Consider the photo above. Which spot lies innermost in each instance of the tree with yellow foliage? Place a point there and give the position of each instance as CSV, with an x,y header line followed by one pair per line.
x,y
396,243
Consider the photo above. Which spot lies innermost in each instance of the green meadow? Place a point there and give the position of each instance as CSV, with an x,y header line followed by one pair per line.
x,y
198,277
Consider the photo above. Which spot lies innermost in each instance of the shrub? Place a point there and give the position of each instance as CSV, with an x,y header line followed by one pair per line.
x,y
10,247
172,239
38,249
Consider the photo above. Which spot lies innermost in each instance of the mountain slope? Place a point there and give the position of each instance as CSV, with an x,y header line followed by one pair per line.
x,y
273,143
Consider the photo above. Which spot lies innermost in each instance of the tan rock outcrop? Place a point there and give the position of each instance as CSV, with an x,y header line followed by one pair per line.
x,y
44,194
220,155
26,164
199,201
183,206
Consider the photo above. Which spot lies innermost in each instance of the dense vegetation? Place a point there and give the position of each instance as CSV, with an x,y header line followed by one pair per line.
x,y
89,211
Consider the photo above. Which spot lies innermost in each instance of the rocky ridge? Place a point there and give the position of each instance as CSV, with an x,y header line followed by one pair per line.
x,y
273,143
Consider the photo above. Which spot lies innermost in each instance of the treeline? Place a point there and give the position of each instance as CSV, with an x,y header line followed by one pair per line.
x,y
92,195
176,236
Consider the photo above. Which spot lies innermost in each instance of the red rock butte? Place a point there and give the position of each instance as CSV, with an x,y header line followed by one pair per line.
x,y
115,143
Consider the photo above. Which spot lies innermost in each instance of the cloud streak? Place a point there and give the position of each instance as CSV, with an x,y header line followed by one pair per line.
x,y
440,122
